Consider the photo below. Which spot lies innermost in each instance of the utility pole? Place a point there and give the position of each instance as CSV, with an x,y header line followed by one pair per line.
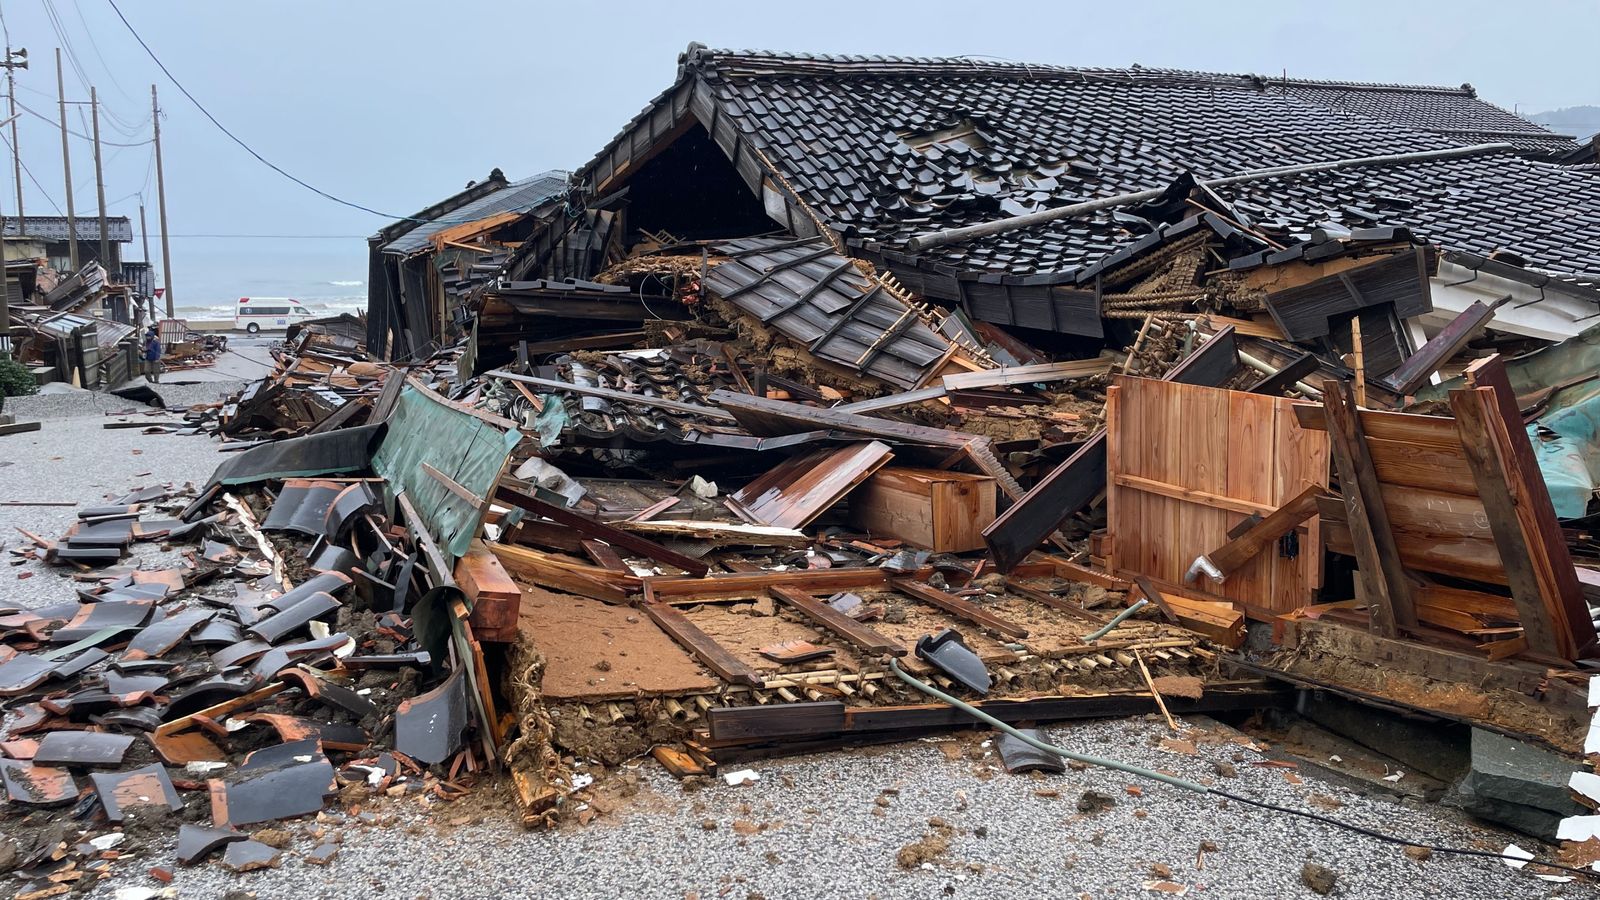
x,y
161,203
100,187
15,59
144,233
66,164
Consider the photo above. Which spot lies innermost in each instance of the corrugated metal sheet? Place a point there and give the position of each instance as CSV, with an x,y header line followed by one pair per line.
x,y
519,196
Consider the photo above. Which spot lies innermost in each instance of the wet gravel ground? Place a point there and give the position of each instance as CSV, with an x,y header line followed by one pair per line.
x,y
828,825
73,457
832,825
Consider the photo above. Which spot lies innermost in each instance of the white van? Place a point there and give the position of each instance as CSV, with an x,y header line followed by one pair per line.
x,y
271,313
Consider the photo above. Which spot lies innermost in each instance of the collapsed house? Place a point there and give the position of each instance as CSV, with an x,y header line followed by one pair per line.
x,y
82,326
831,383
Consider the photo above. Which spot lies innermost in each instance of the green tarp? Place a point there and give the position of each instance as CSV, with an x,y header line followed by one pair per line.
x,y
425,428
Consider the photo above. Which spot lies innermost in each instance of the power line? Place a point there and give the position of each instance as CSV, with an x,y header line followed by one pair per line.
x,y
56,123
42,192
95,46
246,147
66,43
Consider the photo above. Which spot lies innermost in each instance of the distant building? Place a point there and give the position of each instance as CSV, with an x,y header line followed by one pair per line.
x,y
48,237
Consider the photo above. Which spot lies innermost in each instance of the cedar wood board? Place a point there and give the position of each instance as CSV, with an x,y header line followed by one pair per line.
x,y
1186,463
1428,490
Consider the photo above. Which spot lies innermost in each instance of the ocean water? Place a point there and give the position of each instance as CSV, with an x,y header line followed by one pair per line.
x,y
211,274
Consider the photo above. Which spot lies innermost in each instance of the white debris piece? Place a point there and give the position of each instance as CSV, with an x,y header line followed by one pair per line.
x,y
203,766
1586,783
1594,691
1578,828
107,841
1516,858
581,781
705,490
743,776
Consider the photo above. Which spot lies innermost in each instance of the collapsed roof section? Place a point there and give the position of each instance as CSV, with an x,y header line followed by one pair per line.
x,y
882,149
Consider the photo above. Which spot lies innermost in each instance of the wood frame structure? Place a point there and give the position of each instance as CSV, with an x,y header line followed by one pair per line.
x,y
1185,464
1459,497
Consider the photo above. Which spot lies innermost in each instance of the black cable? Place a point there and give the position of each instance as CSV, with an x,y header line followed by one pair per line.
x,y
56,123
1436,848
247,148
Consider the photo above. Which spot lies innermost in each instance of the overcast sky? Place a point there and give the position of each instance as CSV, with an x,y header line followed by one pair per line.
x,y
394,104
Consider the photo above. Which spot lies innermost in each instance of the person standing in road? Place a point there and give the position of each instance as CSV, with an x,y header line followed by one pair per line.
x,y
152,357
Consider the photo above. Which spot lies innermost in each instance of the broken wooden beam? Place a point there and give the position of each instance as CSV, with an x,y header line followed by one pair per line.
x,y
958,607
710,653
1450,340
837,622
1225,560
1379,571
519,495
495,599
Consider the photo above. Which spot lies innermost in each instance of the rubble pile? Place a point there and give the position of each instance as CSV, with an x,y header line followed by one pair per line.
x,y
603,473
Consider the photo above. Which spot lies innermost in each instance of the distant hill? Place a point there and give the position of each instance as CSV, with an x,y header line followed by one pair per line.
x,y
1580,121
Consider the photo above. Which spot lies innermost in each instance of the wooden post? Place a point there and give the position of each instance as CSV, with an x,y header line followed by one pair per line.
x,y
161,205
16,148
66,164
1360,360
100,188
1560,587
1383,579
1484,445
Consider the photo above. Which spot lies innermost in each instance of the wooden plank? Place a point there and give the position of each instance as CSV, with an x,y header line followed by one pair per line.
x,y
1179,492
1153,593
893,401
1461,557
1086,575
654,509
766,418
585,581
454,487
1476,417
754,584
1011,375
514,494
748,723
837,622
712,654
1230,556
803,487
1552,562
958,607
604,555
729,725
1379,569
1405,428
1047,599
1450,340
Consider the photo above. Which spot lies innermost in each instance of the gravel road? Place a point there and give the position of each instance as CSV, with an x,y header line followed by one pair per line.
x,y
829,825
